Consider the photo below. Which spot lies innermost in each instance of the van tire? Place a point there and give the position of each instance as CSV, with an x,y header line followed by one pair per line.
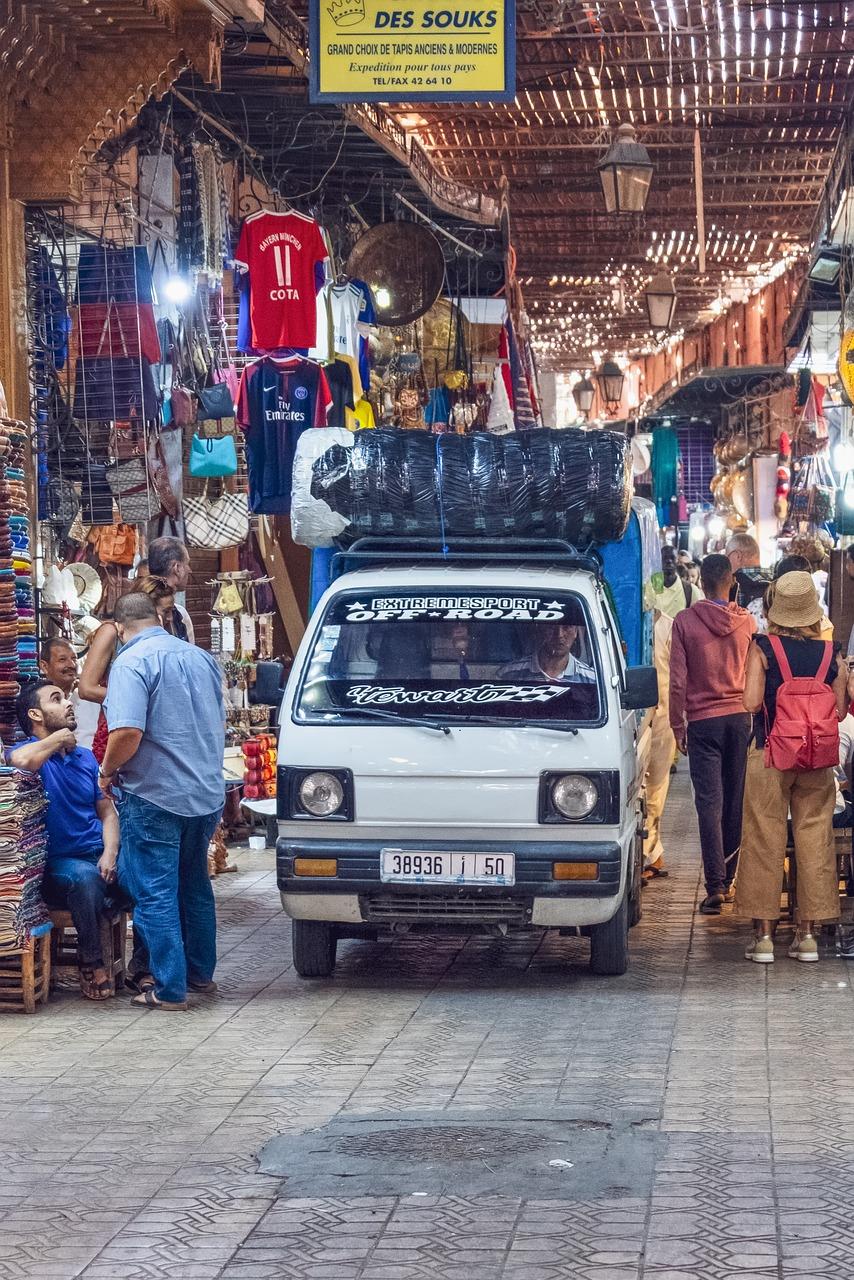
x,y
314,945
609,943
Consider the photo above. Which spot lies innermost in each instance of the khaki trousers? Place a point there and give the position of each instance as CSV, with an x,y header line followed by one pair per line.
x,y
769,796
657,783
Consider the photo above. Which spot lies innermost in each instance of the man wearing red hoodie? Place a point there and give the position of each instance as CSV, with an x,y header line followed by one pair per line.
x,y
708,656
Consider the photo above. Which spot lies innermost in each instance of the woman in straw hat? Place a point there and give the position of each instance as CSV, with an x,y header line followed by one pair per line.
x,y
771,794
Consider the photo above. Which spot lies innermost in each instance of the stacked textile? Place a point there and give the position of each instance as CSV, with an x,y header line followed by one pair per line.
x,y
8,611
19,528
23,849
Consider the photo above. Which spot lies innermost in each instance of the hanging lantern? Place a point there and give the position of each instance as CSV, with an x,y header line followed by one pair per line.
x,y
625,173
583,393
660,298
611,378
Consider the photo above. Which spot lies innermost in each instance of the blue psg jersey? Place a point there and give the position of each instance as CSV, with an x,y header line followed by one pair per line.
x,y
277,401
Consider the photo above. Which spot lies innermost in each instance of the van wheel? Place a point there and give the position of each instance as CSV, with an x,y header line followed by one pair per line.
x,y
314,946
609,943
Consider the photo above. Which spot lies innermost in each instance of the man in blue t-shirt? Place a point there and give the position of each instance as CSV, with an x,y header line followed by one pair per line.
x,y
81,873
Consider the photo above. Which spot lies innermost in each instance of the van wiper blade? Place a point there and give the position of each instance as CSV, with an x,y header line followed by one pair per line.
x,y
506,722
423,722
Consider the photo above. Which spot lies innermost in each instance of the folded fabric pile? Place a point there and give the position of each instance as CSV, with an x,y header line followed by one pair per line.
x,y
8,609
19,529
23,849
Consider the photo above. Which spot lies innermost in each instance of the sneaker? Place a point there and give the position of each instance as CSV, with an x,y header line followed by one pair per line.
x,y
761,950
805,948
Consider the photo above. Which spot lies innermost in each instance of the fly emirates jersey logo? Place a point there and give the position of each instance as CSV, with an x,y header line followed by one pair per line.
x,y
282,244
283,412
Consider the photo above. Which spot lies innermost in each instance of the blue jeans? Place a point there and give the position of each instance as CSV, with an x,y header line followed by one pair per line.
x,y
76,885
165,859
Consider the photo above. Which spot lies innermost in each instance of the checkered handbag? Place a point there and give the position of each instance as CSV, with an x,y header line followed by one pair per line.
x,y
218,523
129,482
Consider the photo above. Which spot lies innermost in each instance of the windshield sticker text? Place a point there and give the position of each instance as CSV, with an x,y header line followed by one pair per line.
x,y
396,695
453,608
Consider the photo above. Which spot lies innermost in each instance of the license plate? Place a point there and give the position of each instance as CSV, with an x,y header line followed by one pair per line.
x,y
429,867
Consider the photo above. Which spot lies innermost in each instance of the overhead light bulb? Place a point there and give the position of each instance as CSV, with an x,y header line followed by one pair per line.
x,y
382,297
716,526
177,289
843,457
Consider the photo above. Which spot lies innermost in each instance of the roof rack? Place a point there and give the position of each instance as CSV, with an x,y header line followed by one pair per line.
x,y
541,551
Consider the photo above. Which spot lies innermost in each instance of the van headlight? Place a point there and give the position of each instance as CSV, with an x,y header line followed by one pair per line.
x,y
321,794
574,796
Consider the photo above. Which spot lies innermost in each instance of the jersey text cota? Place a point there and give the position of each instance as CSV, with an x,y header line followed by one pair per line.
x,y
277,401
280,250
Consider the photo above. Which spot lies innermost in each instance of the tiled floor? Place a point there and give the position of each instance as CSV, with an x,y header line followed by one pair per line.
x,y
129,1139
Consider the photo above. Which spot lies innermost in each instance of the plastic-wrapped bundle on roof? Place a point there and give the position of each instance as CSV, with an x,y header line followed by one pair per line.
x,y
571,484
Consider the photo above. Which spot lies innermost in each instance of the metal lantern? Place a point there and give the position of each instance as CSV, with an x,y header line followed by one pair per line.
x,y
611,378
625,173
583,393
660,298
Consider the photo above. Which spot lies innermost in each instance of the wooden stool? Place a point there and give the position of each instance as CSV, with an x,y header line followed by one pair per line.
x,y
114,928
25,976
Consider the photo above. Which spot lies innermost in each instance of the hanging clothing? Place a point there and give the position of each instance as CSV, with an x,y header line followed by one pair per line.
x,y
190,253
364,415
280,252
367,319
345,303
664,467
499,419
277,401
340,378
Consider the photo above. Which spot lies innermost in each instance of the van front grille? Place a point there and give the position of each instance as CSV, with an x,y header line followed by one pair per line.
x,y
382,907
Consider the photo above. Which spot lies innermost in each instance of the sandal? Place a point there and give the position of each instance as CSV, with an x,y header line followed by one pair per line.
x,y
711,905
148,1000
655,873
92,990
139,982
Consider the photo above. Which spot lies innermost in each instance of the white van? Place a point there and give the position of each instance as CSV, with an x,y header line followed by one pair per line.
x,y
460,749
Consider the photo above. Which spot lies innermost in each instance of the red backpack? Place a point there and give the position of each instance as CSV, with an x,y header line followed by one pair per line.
x,y
805,735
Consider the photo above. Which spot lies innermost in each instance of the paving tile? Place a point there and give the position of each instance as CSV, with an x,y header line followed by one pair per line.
x,y
154,1176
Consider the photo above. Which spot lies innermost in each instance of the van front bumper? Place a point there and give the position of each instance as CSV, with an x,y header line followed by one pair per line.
x,y
358,895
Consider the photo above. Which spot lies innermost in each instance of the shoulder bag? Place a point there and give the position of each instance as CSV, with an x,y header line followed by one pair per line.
x,y
218,523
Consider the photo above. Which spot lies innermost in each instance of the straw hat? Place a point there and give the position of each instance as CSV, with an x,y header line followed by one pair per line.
x,y
795,602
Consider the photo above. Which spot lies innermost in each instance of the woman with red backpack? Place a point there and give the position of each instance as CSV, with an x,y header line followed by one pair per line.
x,y
796,686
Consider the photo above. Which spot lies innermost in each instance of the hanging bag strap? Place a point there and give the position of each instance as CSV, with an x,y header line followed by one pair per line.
x,y
782,660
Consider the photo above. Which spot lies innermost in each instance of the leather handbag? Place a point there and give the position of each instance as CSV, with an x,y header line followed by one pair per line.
x,y
215,402
115,544
218,523
184,406
212,457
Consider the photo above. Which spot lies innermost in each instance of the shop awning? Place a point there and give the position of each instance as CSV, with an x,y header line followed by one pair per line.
x,y
711,389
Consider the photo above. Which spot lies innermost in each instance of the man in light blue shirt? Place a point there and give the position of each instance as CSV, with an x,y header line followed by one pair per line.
x,y
163,764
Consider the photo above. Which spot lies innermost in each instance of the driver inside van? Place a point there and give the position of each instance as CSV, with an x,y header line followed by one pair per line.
x,y
552,657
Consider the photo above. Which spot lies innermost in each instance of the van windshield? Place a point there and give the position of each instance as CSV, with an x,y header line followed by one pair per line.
x,y
453,657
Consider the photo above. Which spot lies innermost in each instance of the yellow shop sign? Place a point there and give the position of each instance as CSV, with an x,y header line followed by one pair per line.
x,y
415,51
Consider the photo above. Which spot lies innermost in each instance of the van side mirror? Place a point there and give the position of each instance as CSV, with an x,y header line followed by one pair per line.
x,y
641,691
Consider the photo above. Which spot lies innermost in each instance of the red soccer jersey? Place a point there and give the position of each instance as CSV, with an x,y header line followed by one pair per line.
x,y
280,250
